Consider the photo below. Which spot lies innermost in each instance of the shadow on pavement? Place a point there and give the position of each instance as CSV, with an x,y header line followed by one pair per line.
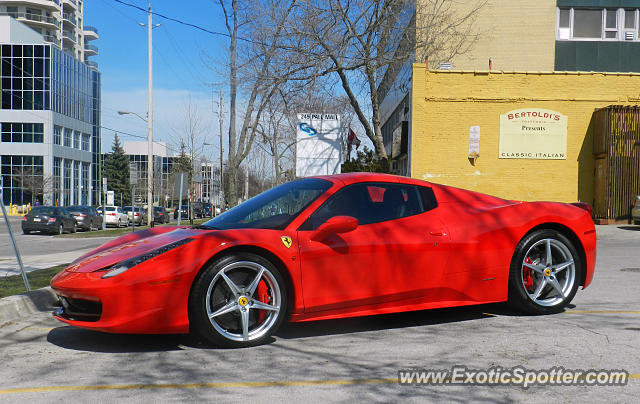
x,y
632,228
87,340
80,339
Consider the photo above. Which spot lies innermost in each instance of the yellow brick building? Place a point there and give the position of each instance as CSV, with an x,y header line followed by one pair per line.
x,y
514,34
445,104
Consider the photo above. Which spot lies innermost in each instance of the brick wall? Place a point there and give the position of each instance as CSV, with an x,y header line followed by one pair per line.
x,y
445,104
515,34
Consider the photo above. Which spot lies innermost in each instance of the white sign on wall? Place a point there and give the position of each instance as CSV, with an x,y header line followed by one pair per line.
x,y
318,145
474,142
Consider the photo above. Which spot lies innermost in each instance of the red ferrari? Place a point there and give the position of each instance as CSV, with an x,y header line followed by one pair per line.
x,y
331,247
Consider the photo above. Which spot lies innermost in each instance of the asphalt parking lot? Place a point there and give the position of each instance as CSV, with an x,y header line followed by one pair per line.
x,y
343,360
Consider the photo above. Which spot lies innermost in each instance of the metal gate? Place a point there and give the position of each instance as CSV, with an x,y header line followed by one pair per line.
x,y
616,148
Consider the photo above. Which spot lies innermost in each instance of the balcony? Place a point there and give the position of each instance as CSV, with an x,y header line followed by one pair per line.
x,y
93,64
68,36
69,18
90,50
41,21
53,5
90,32
69,4
52,39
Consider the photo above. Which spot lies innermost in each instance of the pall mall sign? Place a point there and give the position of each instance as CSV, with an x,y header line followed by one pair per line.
x,y
533,133
318,145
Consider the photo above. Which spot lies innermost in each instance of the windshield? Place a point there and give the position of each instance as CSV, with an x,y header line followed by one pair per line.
x,y
272,209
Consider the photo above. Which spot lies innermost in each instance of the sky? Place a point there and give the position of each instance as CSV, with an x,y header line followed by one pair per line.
x,y
187,65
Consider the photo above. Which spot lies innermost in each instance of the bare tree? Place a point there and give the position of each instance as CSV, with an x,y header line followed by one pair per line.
x,y
33,181
190,139
361,41
258,66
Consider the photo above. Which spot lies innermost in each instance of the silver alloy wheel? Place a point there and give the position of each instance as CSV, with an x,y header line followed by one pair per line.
x,y
550,268
242,301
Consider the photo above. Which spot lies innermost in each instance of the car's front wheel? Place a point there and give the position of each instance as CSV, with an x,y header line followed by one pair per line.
x,y
545,272
237,301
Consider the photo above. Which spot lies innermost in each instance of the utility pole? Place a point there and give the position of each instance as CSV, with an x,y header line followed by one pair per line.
x,y
221,193
150,124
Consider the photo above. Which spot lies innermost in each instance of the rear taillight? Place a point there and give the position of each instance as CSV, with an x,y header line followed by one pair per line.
x,y
24,218
82,215
111,214
584,206
52,219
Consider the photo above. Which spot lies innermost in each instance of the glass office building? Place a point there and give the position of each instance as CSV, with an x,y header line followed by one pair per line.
x,y
50,125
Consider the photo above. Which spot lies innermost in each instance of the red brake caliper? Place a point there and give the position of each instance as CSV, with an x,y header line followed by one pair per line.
x,y
263,296
526,274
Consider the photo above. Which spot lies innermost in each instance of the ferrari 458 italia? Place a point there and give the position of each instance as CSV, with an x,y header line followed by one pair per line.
x,y
332,247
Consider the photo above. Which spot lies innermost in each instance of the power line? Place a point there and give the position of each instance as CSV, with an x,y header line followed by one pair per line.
x,y
188,24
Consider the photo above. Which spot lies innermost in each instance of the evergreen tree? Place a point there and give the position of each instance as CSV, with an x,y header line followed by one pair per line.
x,y
116,169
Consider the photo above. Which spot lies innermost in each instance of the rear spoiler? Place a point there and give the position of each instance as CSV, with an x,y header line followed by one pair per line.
x,y
584,206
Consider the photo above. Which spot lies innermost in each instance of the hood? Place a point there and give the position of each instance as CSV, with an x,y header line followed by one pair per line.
x,y
129,246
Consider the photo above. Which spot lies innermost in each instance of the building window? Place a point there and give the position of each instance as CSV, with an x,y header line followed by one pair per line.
x,y
66,183
85,184
76,140
76,182
85,142
57,162
603,24
25,77
22,179
57,134
68,133
19,132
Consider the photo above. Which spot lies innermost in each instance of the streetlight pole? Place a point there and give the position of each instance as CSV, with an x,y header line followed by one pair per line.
x,y
150,124
221,193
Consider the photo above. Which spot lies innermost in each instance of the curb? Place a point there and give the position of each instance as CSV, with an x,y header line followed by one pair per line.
x,y
23,305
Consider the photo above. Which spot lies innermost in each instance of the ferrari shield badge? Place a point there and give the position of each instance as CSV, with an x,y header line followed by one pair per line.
x,y
286,241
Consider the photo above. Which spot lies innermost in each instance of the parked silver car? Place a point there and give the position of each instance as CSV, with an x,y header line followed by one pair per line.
x,y
635,211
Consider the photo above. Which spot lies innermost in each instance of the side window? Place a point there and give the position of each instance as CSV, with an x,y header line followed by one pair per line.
x,y
428,199
369,203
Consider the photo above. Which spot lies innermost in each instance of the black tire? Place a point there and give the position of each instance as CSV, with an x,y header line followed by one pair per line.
x,y
524,281
27,232
60,229
74,228
226,329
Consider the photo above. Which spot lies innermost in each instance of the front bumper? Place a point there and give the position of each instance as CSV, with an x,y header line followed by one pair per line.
x,y
134,302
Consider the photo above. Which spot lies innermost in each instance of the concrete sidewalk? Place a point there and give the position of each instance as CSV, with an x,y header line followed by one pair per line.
x,y
9,265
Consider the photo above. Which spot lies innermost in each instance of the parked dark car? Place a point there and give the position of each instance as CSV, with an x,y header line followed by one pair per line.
x,y
86,217
49,219
185,212
160,215
197,210
207,209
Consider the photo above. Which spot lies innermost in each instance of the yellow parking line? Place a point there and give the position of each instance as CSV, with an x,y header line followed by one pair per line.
x,y
212,385
602,311
199,385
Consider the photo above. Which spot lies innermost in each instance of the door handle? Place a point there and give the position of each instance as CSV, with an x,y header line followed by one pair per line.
x,y
436,233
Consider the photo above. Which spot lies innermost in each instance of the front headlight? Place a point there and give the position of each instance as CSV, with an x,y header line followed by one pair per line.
x,y
125,265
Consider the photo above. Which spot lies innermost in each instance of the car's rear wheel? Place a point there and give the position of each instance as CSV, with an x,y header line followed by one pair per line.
x,y
545,272
60,229
237,301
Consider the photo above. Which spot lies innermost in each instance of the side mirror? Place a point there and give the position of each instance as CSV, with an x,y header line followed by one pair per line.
x,y
336,224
